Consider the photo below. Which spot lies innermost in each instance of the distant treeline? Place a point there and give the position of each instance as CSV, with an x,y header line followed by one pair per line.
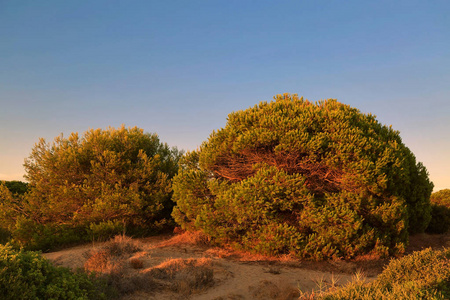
x,y
16,186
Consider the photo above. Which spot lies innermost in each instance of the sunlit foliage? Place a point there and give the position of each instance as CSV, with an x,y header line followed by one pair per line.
x,y
16,187
85,184
315,179
27,275
422,275
440,212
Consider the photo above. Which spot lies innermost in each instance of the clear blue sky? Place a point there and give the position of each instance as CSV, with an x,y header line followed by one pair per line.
x,y
178,68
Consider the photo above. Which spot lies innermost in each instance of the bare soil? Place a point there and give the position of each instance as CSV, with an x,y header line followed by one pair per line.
x,y
222,274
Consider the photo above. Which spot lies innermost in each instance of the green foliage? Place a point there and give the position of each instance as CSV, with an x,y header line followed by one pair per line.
x,y
105,230
45,237
9,209
16,187
116,175
440,212
316,180
27,275
5,235
421,275
441,197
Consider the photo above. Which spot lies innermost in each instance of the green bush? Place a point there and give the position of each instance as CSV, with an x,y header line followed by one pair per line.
x,y
46,237
317,180
16,187
440,212
440,219
5,236
27,275
116,175
441,197
421,275
105,230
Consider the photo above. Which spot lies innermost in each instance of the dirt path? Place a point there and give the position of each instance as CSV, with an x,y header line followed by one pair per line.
x,y
234,275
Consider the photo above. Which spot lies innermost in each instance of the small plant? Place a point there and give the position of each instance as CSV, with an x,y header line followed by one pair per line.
x,y
113,261
105,230
185,276
440,212
421,275
27,275
111,257
122,245
136,263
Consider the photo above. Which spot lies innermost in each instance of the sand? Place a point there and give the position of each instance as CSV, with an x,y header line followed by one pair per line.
x,y
240,275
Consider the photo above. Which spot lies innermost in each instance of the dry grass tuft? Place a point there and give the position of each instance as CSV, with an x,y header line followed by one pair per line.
x,y
111,260
269,290
122,245
102,261
187,238
185,276
325,287
182,276
136,263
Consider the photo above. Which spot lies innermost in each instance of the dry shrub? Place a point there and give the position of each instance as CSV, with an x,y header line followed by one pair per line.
x,y
196,238
185,276
220,252
136,263
127,283
122,245
102,261
111,261
110,258
269,290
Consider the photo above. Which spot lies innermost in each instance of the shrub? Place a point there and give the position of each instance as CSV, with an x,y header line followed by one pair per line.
x,y
105,230
440,212
27,275
317,180
45,237
185,276
16,187
110,259
96,181
113,261
5,236
421,275
441,197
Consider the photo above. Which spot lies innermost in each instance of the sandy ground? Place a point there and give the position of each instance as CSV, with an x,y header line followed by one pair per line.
x,y
241,276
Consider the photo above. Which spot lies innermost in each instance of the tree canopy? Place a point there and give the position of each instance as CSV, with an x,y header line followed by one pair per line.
x,y
16,187
105,178
440,212
315,179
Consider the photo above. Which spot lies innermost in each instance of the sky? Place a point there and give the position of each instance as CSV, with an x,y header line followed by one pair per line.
x,y
178,68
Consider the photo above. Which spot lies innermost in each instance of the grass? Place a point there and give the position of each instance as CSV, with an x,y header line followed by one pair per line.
x,y
421,275
185,276
115,261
